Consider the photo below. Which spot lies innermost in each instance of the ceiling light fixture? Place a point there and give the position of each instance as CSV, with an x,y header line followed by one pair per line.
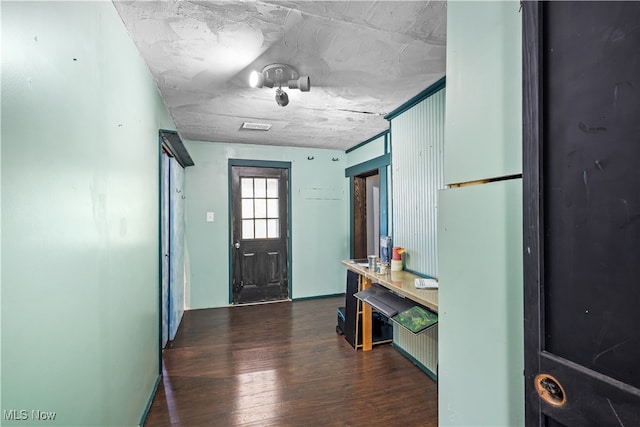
x,y
278,75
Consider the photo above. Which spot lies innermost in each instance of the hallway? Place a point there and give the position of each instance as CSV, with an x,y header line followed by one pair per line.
x,y
283,364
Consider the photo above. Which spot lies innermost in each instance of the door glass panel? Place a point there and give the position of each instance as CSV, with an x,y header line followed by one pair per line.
x,y
261,208
246,187
247,229
260,202
260,187
272,188
272,228
247,208
272,208
261,228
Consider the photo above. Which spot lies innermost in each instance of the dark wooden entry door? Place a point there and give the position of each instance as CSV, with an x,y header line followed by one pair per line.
x,y
260,225
582,213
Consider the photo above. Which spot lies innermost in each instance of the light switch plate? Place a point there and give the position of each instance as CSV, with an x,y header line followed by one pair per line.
x,y
210,216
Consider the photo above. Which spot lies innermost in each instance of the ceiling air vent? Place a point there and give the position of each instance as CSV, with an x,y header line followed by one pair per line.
x,y
255,126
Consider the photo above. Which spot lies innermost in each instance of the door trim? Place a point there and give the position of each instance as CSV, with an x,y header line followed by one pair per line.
x,y
532,227
258,164
380,163
160,257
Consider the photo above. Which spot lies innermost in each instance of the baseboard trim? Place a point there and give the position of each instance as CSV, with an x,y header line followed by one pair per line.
x,y
415,361
319,297
150,401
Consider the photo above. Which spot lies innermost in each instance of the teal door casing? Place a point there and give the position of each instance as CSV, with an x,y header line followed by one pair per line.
x,y
172,200
164,239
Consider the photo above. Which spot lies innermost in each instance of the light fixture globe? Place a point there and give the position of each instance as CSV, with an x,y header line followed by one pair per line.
x,y
303,83
256,79
282,99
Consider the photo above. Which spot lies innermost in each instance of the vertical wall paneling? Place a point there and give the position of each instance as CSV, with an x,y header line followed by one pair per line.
x,y
417,164
422,347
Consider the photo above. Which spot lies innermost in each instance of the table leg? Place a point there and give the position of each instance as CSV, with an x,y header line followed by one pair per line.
x,y
367,340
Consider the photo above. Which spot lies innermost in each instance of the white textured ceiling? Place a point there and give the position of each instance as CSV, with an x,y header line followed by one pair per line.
x,y
364,59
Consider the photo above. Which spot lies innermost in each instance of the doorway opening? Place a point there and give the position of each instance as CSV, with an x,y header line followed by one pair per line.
x,y
369,184
174,158
366,214
260,234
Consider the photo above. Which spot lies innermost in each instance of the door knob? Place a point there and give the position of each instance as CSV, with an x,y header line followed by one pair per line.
x,y
550,390
237,245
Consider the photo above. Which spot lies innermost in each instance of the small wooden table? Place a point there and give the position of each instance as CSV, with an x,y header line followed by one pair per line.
x,y
400,282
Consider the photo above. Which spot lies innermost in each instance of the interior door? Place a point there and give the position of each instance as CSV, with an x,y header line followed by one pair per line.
x,y
582,213
260,241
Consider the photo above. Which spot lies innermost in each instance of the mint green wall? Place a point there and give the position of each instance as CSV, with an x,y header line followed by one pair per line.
x,y
480,334
80,281
481,347
484,87
368,151
320,236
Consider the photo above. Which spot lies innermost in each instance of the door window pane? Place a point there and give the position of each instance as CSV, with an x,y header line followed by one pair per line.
x,y
272,188
272,208
247,208
260,187
273,228
246,187
261,228
260,208
247,229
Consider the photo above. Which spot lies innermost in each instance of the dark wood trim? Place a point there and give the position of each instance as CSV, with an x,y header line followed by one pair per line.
x,y
532,200
359,217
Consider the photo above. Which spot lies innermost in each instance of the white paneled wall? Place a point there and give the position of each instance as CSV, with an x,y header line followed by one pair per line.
x,y
418,174
423,347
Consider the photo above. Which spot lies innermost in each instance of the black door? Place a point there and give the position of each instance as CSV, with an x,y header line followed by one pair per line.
x,y
582,213
259,234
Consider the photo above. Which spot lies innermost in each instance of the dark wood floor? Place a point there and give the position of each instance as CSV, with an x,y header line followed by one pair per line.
x,y
283,364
